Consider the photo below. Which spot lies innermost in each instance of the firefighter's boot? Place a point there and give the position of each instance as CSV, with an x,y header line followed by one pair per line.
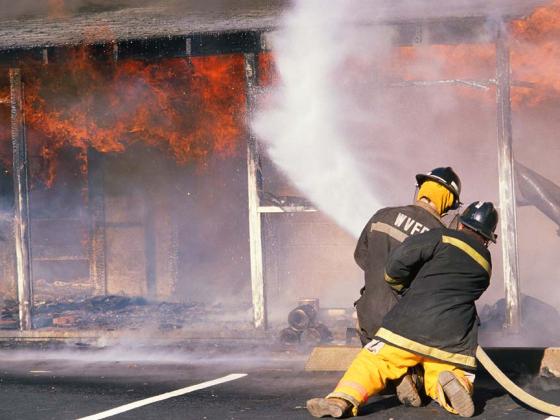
x,y
407,392
458,396
328,407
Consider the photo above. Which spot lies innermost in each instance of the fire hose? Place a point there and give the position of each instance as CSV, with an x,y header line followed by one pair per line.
x,y
512,388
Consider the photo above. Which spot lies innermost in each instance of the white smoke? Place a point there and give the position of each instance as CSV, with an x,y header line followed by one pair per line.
x,y
344,133
310,127
349,137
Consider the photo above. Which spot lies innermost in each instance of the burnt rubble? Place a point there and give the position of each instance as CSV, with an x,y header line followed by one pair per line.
x,y
539,325
109,312
9,315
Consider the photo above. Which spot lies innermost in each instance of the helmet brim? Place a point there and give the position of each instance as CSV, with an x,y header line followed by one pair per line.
x,y
421,178
478,228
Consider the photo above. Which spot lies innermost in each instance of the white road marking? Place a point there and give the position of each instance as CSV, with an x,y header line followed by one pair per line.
x,y
552,418
132,406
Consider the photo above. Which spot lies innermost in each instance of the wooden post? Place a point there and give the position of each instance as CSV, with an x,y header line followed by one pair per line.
x,y
506,179
150,245
96,210
173,253
21,202
254,186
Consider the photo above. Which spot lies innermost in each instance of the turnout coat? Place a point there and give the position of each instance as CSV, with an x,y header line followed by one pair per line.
x,y
440,275
386,230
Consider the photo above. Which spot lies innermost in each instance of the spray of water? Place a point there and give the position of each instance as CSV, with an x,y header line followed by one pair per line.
x,y
307,130
351,141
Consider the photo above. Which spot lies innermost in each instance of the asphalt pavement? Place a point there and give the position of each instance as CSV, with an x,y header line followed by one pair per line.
x,y
68,383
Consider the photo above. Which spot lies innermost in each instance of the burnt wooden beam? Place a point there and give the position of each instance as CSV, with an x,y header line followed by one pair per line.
x,y
172,262
21,208
97,228
506,177
150,246
192,45
254,188
166,247
201,44
173,254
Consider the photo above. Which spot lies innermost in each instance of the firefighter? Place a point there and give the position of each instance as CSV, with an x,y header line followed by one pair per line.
x,y
440,275
438,192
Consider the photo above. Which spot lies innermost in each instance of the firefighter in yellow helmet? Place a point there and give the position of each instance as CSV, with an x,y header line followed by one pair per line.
x,y
438,192
440,275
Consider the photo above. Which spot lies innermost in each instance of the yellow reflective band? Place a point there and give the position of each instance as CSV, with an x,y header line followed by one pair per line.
x,y
359,388
423,349
468,250
390,279
393,232
394,283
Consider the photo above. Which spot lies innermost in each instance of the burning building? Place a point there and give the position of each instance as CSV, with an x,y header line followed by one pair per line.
x,y
134,186
126,170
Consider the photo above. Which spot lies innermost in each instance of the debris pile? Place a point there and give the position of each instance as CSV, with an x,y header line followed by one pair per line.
x,y
109,312
539,324
9,316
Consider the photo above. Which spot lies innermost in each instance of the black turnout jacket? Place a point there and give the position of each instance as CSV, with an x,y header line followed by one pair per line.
x,y
441,274
386,230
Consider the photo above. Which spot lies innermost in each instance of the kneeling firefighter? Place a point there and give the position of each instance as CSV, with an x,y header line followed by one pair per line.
x,y
438,192
440,275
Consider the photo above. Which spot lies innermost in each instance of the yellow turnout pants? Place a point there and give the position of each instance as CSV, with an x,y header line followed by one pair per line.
x,y
379,362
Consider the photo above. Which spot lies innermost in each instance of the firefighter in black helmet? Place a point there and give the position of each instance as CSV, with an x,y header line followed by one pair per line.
x,y
482,218
438,192
434,325
448,178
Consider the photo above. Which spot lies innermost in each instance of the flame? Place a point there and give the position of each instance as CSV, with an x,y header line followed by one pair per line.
x,y
268,74
535,59
190,107
195,107
542,24
535,55
535,62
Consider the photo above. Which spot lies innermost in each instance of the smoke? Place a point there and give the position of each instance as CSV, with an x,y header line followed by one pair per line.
x,y
137,352
340,128
309,129
351,138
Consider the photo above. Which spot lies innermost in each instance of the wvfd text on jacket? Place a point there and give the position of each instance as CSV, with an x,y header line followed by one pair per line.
x,y
386,230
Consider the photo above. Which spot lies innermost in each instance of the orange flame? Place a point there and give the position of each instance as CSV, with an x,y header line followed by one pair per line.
x,y
535,58
535,61
536,54
196,107
267,70
542,24
191,108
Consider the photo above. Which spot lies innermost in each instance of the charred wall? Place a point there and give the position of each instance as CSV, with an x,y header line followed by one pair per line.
x,y
137,173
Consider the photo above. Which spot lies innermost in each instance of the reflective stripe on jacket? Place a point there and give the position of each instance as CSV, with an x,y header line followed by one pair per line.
x,y
444,272
386,230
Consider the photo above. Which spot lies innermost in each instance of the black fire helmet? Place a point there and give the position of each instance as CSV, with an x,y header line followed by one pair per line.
x,y
481,217
447,177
